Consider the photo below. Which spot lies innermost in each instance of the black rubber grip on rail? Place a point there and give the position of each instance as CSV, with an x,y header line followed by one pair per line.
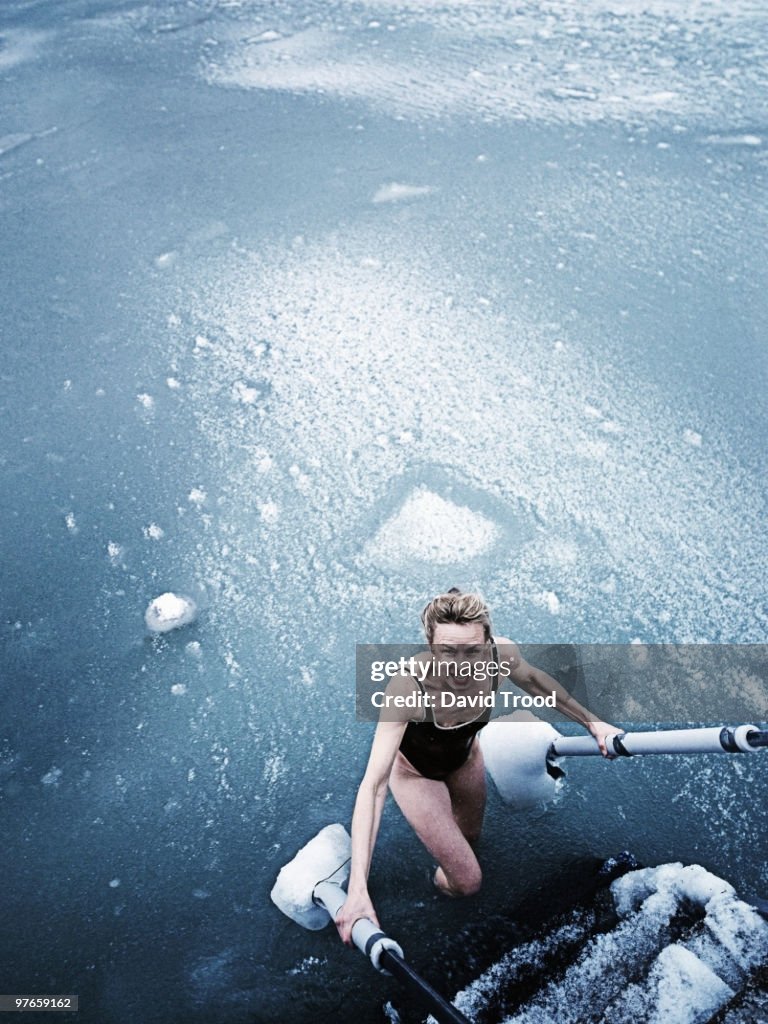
x,y
371,940
618,746
755,738
440,1008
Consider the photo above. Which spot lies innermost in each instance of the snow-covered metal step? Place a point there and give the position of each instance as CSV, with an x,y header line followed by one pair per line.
x,y
683,949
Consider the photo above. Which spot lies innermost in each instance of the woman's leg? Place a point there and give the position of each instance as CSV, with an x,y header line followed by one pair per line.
x,y
468,793
438,812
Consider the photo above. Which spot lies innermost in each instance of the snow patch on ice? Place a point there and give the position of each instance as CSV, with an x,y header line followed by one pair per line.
x,y
19,45
432,529
552,61
328,320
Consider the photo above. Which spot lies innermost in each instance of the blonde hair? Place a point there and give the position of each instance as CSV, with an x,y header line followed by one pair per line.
x,y
454,606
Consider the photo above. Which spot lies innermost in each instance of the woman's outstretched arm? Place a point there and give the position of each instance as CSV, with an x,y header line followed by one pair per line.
x,y
537,682
366,817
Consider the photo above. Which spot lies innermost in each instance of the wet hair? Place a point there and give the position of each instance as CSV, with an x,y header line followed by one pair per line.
x,y
458,607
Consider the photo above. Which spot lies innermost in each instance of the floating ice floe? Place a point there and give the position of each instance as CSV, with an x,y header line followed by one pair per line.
x,y
169,611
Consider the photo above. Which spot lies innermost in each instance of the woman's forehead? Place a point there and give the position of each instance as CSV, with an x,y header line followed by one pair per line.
x,y
458,633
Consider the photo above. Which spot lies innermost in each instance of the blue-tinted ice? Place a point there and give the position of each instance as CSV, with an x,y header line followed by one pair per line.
x,y
310,310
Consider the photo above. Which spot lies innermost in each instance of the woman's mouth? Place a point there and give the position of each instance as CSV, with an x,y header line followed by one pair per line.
x,y
459,682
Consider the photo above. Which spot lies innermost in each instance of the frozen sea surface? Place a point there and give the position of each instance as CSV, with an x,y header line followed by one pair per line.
x,y
310,310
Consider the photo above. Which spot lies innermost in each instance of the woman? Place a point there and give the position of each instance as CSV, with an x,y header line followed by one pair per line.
x,y
429,758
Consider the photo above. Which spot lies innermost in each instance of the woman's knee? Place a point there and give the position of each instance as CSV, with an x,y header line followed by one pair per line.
x,y
466,881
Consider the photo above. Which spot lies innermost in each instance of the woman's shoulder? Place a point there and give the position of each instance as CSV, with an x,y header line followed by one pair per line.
x,y
508,654
504,641
404,699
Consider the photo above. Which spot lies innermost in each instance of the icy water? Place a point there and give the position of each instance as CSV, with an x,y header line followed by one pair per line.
x,y
310,311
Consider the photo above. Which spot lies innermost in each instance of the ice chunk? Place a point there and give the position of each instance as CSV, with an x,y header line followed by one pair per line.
x,y
396,191
734,140
169,611
692,437
267,36
657,99
9,142
115,551
547,599
244,393
166,259
269,512
322,857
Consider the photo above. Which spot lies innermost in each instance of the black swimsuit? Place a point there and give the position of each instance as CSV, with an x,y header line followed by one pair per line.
x,y
436,751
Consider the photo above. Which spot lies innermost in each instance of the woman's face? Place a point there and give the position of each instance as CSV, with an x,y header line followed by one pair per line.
x,y
457,648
